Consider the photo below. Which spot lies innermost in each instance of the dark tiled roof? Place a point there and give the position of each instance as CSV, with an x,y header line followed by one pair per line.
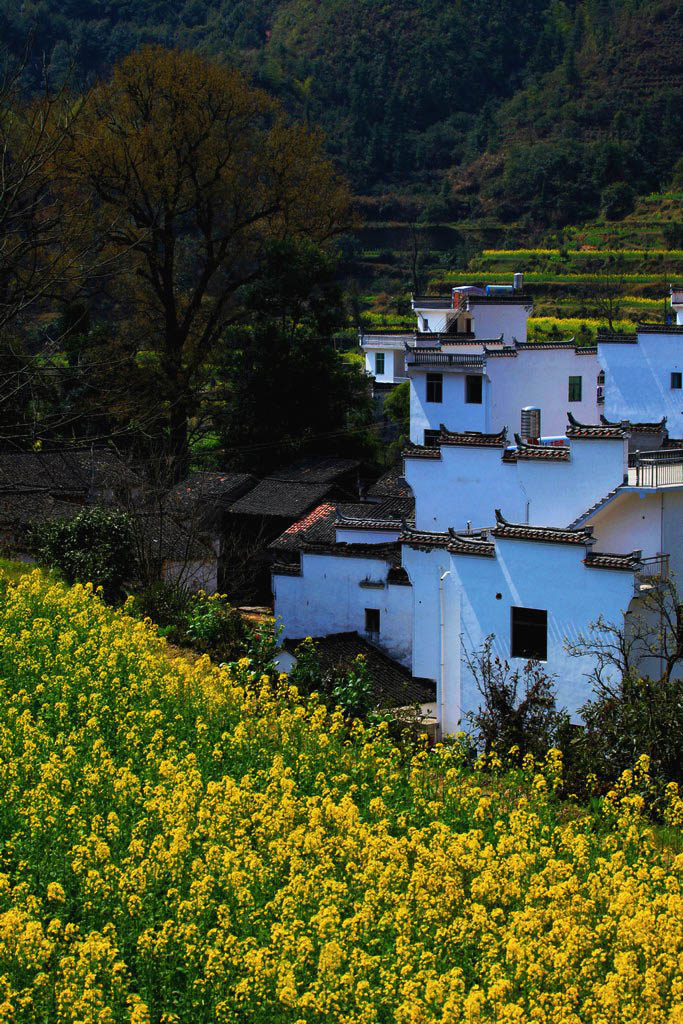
x,y
283,498
541,534
612,338
387,514
597,431
672,442
385,552
70,471
638,428
393,684
315,469
570,343
316,527
472,438
507,350
606,560
166,538
419,451
548,452
212,487
456,543
286,569
646,328
22,507
392,483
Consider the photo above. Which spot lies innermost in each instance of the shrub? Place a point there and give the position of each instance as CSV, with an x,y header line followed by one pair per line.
x,y
518,709
168,605
96,546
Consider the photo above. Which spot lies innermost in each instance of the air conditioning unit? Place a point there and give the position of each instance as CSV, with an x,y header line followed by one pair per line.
x,y
531,423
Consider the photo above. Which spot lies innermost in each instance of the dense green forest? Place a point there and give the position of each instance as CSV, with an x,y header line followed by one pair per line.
x,y
549,111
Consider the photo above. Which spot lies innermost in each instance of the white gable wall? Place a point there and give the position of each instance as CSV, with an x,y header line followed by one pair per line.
x,y
328,598
492,320
649,521
525,574
638,379
468,483
453,411
541,378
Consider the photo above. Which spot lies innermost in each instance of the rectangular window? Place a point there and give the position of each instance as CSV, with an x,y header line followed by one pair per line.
x,y
473,389
529,633
432,438
574,389
379,363
676,381
435,387
372,620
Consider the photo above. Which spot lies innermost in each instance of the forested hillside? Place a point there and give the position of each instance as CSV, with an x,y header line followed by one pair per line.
x,y
549,109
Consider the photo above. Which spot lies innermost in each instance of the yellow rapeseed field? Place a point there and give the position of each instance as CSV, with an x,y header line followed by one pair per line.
x,y
183,844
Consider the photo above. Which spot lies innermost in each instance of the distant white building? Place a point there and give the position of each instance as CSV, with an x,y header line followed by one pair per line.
x,y
547,487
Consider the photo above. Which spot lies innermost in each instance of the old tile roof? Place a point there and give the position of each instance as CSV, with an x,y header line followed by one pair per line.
x,y
398,576
394,686
647,328
317,527
21,508
504,530
164,537
456,543
472,438
72,471
606,560
420,451
206,486
282,498
638,428
613,338
597,431
386,552
315,469
384,514
551,453
391,483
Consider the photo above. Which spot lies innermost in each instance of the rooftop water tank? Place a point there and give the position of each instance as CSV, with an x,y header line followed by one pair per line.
x,y
498,289
531,423
518,282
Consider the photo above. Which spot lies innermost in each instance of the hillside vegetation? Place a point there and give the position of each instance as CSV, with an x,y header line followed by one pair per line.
x,y
548,110
184,843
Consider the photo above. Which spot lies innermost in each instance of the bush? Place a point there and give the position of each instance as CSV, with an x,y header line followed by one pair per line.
x,y
617,200
167,604
518,709
96,546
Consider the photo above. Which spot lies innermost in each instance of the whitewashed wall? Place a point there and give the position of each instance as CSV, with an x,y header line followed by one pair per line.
x,y
638,380
328,598
541,378
468,483
490,321
525,574
453,411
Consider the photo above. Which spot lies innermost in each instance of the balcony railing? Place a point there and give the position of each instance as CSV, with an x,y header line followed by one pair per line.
x,y
652,571
431,357
656,469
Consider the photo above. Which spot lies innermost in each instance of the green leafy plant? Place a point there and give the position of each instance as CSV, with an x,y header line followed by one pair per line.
x,y
96,546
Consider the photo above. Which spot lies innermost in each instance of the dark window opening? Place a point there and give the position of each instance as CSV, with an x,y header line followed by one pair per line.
x,y
676,381
432,438
529,633
435,387
372,620
574,389
473,389
379,363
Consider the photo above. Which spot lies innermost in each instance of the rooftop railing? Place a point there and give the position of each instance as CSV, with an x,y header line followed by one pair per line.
x,y
652,570
429,357
656,469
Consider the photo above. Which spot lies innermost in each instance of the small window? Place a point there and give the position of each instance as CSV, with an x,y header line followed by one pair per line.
x,y
435,387
432,438
468,326
372,620
574,389
676,381
529,633
473,388
379,363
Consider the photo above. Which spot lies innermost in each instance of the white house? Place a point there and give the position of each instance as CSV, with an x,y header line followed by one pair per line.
x,y
548,491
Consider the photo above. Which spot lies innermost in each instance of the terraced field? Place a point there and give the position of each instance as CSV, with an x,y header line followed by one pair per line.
x,y
592,276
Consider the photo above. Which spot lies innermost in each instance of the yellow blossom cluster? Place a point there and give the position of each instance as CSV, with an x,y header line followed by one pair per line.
x,y
185,844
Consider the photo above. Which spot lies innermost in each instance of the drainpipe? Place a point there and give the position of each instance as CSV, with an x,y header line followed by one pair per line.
x,y
442,605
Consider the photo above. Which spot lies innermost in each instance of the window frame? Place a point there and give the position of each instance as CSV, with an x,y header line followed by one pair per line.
x,y
434,385
520,647
431,438
469,380
379,359
678,377
370,614
571,388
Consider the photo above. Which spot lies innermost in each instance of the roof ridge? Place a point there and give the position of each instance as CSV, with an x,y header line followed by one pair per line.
x,y
527,531
594,507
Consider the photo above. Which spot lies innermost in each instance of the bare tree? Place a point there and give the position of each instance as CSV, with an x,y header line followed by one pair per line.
x,y
650,638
